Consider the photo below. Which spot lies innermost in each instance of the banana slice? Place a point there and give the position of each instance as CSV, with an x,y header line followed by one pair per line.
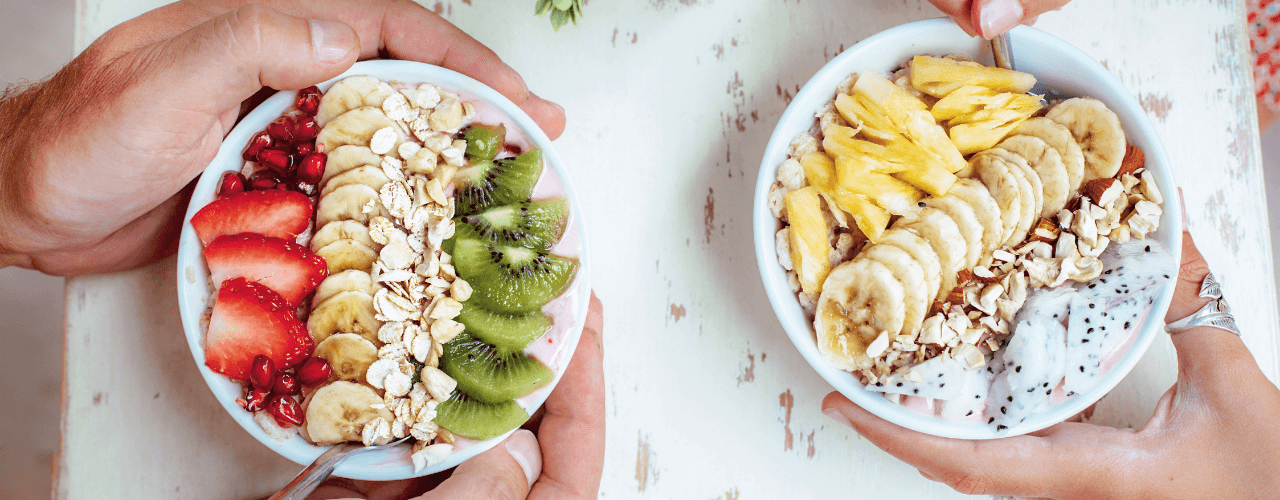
x,y
347,254
349,354
906,270
986,210
1004,187
921,252
367,175
351,280
356,127
337,412
1097,130
348,203
346,312
1031,201
943,235
1037,187
1059,137
346,158
351,93
342,230
1048,167
859,300
966,221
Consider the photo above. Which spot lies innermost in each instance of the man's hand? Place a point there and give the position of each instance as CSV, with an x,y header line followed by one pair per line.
x,y
988,18
96,163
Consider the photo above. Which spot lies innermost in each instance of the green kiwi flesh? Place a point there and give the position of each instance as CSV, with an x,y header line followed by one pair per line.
x,y
511,279
484,142
486,184
488,375
530,224
507,333
478,420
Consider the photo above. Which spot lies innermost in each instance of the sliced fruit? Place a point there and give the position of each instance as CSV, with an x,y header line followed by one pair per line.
x,y
506,332
272,212
923,161
351,280
1048,167
861,300
285,267
1097,130
966,221
870,218
1000,182
1031,189
356,127
348,158
1059,137
349,203
487,184
985,209
510,279
819,170
489,376
987,127
477,420
484,142
342,230
367,175
906,270
348,354
942,233
911,115
530,224
858,176
249,319
810,245
939,77
346,312
351,93
337,412
922,253
347,254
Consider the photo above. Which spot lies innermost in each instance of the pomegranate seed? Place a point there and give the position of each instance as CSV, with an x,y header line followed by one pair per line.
x,y
264,179
279,161
286,411
232,182
263,372
286,385
308,100
281,130
304,148
258,142
305,128
311,170
257,399
315,370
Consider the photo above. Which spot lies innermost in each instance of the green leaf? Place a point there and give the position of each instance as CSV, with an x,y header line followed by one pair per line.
x,y
558,19
562,4
542,7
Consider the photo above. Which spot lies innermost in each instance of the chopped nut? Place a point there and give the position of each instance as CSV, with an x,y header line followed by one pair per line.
x,y
1085,228
913,376
1003,255
969,356
1150,190
444,330
1134,159
438,383
461,290
931,330
782,245
1064,219
1045,231
1120,234
1066,246
878,346
972,335
987,301
447,116
1095,189
430,456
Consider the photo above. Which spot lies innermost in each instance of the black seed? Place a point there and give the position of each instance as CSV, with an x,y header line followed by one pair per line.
x,y
1092,305
1018,369
1004,411
1126,325
968,414
1081,368
1001,427
992,419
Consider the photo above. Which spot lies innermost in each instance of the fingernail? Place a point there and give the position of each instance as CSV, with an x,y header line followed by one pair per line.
x,y
524,448
999,16
835,414
331,40
1182,203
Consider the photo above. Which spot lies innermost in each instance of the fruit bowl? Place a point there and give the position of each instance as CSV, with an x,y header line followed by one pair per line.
x,y
195,289
1061,69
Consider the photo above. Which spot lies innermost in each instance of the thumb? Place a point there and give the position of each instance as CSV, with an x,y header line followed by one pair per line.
x,y
228,58
993,17
505,472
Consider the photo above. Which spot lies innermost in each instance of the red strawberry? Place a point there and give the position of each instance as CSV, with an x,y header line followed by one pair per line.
x,y
270,212
285,267
249,319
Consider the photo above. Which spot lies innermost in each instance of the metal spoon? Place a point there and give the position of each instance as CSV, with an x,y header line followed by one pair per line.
x,y
1002,50
307,480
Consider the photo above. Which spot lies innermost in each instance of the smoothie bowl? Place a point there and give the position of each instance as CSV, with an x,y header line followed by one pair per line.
x,y
952,250
396,253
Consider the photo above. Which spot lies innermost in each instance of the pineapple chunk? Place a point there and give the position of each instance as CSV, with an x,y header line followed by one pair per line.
x,y
858,175
866,113
810,245
965,100
939,77
819,170
871,219
985,128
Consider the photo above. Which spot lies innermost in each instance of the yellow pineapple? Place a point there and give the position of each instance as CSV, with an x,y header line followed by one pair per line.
x,y
810,246
819,169
870,218
939,77
859,176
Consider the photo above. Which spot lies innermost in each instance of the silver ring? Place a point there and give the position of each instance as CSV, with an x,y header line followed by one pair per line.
x,y
1216,313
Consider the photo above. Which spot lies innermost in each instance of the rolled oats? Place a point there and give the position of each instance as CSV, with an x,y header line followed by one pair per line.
x,y
383,140
376,432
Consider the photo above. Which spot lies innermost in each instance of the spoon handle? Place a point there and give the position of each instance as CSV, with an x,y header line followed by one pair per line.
x,y
1002,50
307,480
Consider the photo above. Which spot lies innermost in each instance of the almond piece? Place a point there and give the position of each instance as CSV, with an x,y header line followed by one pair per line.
x,y
1134,159
1094,188
1046,230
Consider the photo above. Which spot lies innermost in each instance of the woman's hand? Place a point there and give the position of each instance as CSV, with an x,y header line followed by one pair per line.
x,y
1214,434
94,161
988,18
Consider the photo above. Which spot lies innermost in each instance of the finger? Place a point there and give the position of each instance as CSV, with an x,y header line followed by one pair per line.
x,y
548,115
573,426
1068,460
502,473
959,10
993,17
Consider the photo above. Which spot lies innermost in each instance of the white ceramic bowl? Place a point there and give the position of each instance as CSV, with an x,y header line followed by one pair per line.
x,y
194,293
1059,67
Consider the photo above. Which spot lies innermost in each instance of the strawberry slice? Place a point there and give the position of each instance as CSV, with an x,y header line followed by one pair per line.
x,y
271,212
249,319
285,267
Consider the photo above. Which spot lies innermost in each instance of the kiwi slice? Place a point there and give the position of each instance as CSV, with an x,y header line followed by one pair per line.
x,y
487,184
507,333
477,420
484,142
530,224
511,279
488,375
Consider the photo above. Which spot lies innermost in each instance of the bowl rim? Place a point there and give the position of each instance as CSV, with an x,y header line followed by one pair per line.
x,y
1138,128
193,291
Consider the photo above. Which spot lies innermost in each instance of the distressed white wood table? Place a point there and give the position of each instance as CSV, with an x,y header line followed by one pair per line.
x,y
670,103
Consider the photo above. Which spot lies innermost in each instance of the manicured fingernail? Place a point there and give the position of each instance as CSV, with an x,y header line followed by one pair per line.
x,y
999,16
331,40
524,448
835,414
1182,203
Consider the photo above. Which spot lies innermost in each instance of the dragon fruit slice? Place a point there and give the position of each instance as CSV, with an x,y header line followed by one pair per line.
x,y
1034,363
972,395
940,378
